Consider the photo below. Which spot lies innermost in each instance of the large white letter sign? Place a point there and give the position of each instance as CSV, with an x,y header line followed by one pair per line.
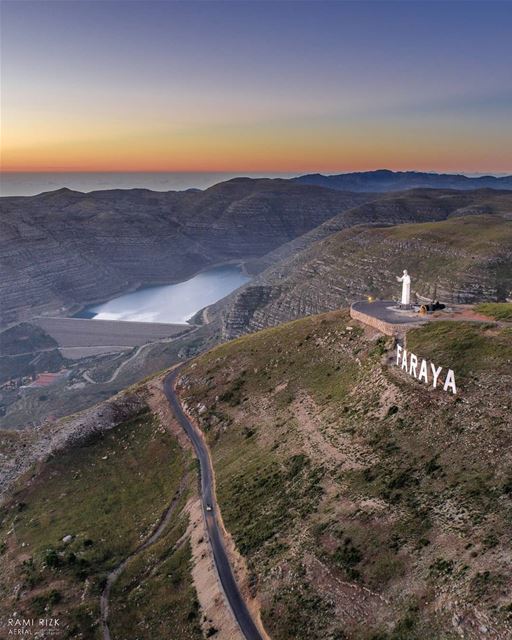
x,y
435,372
449,383
413,365
408,362
423,371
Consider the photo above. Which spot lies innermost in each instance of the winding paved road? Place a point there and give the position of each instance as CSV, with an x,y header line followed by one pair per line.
x,y
227,579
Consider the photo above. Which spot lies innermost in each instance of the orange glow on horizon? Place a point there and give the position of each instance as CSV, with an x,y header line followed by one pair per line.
x,y
106,142
248,87
333,161
105,147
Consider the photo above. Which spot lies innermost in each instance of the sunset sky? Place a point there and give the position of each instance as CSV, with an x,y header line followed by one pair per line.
x,y
256,86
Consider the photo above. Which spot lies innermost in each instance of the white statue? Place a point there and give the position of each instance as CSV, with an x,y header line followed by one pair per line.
x,y
406,287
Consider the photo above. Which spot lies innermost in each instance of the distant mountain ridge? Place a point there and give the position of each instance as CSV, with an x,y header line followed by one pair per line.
x,y
64,248
458,249
385,180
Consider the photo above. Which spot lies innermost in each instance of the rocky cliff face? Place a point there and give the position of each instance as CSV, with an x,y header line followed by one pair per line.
x,y
457,260
62,249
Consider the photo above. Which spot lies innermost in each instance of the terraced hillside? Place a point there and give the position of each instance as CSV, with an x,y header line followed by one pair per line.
x,y
63,249
415,205
368,505
464,259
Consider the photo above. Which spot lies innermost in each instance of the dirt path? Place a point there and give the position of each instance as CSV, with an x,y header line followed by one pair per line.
x,y
157,532
134,355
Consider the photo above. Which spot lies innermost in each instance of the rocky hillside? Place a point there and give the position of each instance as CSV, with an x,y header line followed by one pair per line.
x,y
367,504
385,180
465,257
62,249
25,350
418,205
80,499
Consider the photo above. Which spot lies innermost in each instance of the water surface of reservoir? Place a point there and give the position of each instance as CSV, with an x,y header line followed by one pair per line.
x,y
173,303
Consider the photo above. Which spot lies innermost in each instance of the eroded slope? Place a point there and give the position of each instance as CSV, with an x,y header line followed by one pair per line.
x,y
85,510
463,259
63,249
367,504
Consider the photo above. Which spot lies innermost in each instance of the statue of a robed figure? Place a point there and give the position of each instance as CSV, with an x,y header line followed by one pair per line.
x,y
406,288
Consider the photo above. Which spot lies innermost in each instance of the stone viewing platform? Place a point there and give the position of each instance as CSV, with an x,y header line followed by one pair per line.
x,y
386,317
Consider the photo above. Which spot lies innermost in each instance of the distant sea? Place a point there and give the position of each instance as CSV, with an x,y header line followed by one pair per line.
x,y
30,184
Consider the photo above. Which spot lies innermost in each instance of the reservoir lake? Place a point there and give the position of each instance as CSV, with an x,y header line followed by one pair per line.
x,y
173,303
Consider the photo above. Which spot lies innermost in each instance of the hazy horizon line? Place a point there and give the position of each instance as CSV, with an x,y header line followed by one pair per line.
x,y
246,172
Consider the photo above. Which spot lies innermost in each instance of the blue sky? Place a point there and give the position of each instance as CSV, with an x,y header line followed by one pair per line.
x,y
257,85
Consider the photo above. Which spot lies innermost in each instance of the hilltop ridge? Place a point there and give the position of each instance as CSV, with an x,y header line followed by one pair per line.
x,y
367,504
383,180
458,250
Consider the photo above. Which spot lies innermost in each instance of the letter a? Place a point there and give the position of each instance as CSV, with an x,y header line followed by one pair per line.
x,y
423,371
449,383
404,360
435,372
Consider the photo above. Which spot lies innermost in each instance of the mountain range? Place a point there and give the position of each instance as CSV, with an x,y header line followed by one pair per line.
x,y
63,249
458,250
386,180
309,249
354,502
